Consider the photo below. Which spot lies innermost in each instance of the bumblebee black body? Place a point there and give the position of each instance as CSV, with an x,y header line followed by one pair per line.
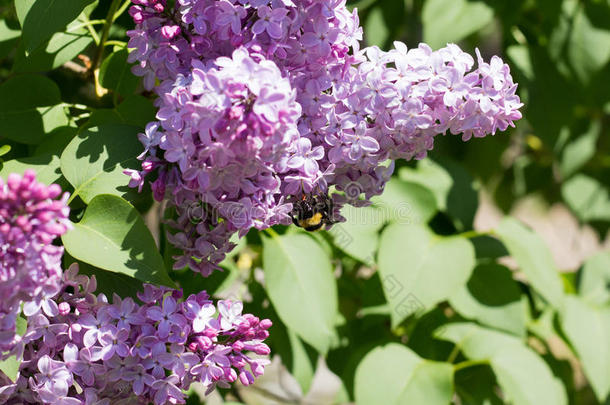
x,y
312,212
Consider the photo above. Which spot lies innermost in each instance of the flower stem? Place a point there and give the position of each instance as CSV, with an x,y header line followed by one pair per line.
x,y
470,363
100,49
272,233
476,234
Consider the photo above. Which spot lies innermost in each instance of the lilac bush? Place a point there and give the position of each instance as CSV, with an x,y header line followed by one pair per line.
x,y
32,215
81,349
263,102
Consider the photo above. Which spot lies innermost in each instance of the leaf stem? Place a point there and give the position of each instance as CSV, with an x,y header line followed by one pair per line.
x,y
117,43
272,233
86,23
121,10
470,363
476,234
102,43
454,353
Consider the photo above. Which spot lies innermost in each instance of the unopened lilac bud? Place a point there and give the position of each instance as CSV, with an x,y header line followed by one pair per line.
x,y
246,378
265,324
262,349
64,308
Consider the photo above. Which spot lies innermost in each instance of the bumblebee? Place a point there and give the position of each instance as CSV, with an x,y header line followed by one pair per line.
x,y
312,212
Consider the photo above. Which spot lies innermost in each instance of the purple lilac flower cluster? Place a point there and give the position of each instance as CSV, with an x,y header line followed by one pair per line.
x,y
31,216
264,101
82,349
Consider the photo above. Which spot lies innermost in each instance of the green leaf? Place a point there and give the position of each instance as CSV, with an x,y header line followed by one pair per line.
x,y
115,73
56,141
113,237
520,56
576,40
453,188
300,283
46,168
523,376
587,197
108,282
393,374
534,259
134,110
588,329
29,108
94,161
41,19
4,149
137,110
359,235
8,39
375,29
406,203
10,366
581,150
595,279
448,21
494,299
59,49
302,368
420,269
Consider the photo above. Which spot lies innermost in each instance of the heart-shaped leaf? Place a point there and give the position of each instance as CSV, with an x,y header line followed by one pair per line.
x,y
113,237
523,376
393,375
420,269
94,161
301,286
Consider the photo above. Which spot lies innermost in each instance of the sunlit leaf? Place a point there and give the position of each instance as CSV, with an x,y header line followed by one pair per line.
x,y
395,375
448,21
588,329
523,376
301,286
534,259
112,236
420,269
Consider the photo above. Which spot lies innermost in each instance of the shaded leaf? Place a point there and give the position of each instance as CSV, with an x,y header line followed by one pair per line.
x,y
108,282
453,188
29,108
41,19
113,237
115,73
94,161
8,38
494,299
46,168
59,49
